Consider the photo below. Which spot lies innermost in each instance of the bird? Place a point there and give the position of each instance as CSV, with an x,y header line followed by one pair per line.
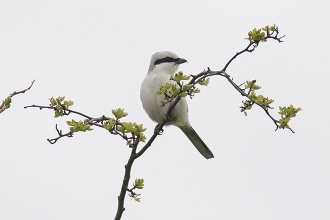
x,y
162,66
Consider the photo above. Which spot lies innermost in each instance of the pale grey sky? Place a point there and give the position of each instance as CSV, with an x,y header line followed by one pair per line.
x,y
97,53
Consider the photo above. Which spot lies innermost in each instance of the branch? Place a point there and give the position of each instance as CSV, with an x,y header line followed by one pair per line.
x,y
195,79
116,126
91,121
6,103
271,33
114,130
60,135
127,176
250,48
209,73
22,91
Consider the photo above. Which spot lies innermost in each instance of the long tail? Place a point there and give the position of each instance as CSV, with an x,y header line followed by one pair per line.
x,y
196,141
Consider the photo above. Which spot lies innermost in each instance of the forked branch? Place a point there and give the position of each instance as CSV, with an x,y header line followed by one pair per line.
x,y
115,127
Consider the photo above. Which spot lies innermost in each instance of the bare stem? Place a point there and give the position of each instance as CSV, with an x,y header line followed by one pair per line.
x,y
16,93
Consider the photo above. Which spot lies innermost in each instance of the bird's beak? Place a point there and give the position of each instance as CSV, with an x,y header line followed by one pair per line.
x,y
180,61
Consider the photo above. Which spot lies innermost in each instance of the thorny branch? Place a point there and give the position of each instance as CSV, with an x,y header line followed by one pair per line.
x,y
158,129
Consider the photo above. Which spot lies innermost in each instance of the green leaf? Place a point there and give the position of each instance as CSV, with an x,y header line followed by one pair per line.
x,y
183,94
60,99
71,123
204,82
142,137
289,111
79,126
252,85
59,105
8,101
139,183
186,87
109,124
257,35
121,128
179,76
196,90
284,122
52,101
119,113
68,103
6,105
286,114
58,113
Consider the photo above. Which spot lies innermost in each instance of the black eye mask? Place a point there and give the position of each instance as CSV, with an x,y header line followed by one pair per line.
x,y
166,60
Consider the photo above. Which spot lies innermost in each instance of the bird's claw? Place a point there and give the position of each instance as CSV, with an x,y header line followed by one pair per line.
x,y
158,130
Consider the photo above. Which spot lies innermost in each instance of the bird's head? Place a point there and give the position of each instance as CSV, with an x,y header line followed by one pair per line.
x,y
165,61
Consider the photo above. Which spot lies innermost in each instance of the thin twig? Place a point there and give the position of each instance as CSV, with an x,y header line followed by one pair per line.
x,y
239,53
60,135
16,93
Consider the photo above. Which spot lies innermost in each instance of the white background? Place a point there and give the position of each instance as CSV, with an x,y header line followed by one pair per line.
x,y
97,53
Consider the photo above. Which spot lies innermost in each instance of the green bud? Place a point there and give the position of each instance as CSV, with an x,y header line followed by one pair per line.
x,y
119,113
139,183
204,82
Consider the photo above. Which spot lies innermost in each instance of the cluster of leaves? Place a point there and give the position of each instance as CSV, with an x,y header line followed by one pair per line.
x,y
257,35
6,104
138,184
119,113
286,114
113,125
60,105
129,131
253,98
171,90
76,126
124,128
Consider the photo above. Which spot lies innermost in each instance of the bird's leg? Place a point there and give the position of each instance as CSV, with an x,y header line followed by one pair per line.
x,y
169,117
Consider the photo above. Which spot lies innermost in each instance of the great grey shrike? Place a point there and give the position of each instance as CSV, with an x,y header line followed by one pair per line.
x,y
162,66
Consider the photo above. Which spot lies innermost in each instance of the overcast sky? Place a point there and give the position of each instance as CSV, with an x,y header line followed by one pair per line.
x,y
97,53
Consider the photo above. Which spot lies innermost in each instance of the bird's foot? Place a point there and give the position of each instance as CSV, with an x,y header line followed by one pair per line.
x,y
158,130
169,117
